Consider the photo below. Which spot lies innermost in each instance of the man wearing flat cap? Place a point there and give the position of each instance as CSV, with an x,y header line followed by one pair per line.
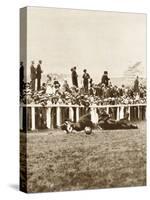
x,y
38,75
32,75
105,78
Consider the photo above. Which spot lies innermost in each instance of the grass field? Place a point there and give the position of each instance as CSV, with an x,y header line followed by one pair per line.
x,y
57,161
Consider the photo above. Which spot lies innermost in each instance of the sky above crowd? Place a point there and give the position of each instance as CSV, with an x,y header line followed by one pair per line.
x,y
92,40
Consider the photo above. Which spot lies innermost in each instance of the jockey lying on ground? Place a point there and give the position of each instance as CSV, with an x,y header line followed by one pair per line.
x,y
84,121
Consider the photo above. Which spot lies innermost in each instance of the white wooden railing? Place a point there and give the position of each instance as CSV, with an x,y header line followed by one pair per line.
x,y
74,112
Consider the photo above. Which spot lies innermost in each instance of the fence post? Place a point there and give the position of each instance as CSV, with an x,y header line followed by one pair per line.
x,y
118,113
138,112
33,118
77,114
71,114
48,117
107,109
58,117
92,114
122,112
143,112
21,118
129,113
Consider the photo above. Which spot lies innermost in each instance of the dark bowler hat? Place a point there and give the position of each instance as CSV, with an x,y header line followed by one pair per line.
x,y
105,72
84,70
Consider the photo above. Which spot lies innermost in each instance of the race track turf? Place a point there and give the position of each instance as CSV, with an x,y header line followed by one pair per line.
x,y
57,161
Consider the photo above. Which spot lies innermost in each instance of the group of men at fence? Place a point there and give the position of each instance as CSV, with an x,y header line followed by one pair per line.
x,y
87,80
35,74
88,94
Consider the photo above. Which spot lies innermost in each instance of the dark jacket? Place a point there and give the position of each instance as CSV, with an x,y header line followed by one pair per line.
x,y
74,78
21,73
85,77
39,71
136,85
33,72
105,79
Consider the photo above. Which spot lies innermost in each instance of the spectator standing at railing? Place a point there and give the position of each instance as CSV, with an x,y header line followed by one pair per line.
x,y
74,76
136,84
115,91
56,85
91,82
39,72
21,78
21,72
122,90
102,91
49,79
32,76
141,92
65,86
105,79
86,78
91,90
43,88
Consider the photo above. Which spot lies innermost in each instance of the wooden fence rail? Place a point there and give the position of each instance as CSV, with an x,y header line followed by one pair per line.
x,y
35,116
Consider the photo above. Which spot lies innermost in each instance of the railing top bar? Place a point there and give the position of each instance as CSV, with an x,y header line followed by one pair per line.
x,y
77,106
118,105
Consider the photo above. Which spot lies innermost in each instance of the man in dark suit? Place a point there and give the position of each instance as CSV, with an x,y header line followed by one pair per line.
x,y
74,77
86,78
136,85
105,78
21,77
38,75
32,75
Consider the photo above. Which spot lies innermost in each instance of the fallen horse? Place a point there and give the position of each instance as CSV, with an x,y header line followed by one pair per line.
x,y
105,122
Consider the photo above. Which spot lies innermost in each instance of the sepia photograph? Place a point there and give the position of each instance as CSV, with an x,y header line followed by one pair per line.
x,y
83,99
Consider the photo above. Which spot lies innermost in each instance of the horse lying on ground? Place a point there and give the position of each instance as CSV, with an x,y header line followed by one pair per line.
x,y
105,122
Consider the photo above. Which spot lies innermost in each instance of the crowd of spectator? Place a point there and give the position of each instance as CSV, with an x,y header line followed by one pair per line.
x,y
90,93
